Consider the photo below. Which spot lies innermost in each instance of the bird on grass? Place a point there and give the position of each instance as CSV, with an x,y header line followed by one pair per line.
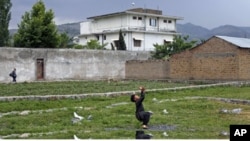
x,y
165,111
90,117
76,138
77,116
165,134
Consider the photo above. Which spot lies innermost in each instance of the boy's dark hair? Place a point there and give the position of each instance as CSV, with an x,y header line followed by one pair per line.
x,y
141,135
132,98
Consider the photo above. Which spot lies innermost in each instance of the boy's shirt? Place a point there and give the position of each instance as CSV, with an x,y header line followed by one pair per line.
x,y
139,105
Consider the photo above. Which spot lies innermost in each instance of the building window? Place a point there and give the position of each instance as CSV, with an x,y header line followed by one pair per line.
x,y
104,37
137,43
97,37
166,42
165,21
134,17
116,43
152,22
170,21
139,18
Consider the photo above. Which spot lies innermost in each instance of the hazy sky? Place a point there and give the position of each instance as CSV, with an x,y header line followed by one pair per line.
x,y
206,13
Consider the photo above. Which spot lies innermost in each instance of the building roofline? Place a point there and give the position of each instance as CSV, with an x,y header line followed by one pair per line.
x,y
136,13
237,41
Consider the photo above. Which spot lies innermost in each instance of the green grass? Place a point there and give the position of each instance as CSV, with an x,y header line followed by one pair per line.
x,y
77,87
193,118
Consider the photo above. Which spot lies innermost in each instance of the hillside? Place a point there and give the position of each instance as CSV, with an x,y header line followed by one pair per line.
x,y
72,29
198,32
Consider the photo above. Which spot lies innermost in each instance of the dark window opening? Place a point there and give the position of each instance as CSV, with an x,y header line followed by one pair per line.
x,y
152,22
166,42
116,43
97,37
137,43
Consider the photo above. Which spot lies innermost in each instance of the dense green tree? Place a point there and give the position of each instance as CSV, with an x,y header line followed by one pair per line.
x,y
94,44
64,40
121,42
5,16
37,29
179,44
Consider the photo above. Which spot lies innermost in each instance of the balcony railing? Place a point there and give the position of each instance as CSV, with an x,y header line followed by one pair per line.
x,y
134,28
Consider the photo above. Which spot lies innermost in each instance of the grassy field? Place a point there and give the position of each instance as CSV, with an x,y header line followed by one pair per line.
x,y
113,117
77,87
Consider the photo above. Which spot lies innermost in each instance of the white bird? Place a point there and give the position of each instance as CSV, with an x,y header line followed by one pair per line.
x,y
154,99
236,111
76,138
224,133
133,4
77,116
90,117
165,134
223,111
165,111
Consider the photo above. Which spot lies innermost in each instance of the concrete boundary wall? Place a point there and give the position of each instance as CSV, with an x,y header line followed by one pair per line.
x,y
65,64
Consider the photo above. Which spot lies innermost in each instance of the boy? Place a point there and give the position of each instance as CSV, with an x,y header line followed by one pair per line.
x,y
13,75
140,114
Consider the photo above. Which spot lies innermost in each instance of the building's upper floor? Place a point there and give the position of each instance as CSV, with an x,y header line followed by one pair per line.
x,y
139,19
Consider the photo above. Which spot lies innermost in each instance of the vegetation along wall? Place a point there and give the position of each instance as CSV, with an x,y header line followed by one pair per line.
x,y
65,64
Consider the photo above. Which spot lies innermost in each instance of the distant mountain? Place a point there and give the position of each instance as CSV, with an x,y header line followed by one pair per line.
x,y
72,29
229,30
195,32
200,33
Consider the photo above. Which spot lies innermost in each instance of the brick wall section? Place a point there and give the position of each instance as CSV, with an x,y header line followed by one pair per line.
x,y
149,69
180,65
244,64
215,59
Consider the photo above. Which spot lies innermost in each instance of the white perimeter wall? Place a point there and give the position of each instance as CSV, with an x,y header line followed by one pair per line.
x,y
66,64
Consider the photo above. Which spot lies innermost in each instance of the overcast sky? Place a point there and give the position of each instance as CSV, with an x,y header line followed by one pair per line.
x,y
206,13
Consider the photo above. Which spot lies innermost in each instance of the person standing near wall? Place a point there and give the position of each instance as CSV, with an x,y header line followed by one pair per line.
x,y
13,75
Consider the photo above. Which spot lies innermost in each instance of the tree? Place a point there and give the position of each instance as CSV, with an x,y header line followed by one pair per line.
x,y
94,44
64,40
166,50
5,16
121,42
37,28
